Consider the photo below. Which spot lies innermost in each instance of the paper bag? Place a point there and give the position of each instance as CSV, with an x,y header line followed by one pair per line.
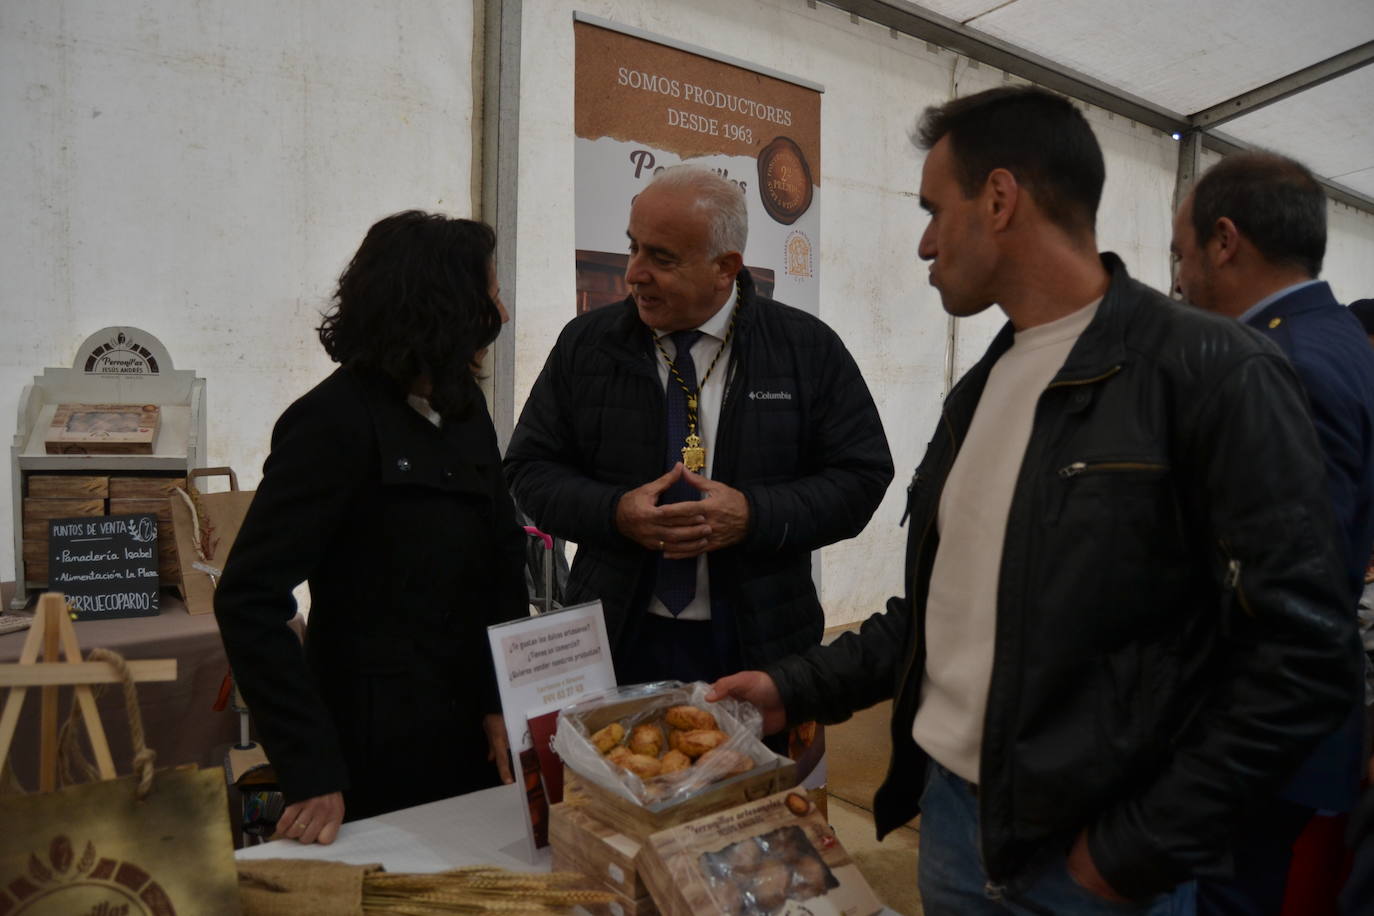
x,y
206,525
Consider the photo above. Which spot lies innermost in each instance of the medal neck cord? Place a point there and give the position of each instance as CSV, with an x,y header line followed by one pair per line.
x,y
672,366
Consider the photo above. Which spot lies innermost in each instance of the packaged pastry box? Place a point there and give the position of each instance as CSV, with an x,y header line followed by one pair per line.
x,y
738,770
102,429
773,857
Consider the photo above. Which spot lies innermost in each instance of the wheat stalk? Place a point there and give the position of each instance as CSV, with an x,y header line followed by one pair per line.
x,y
476,889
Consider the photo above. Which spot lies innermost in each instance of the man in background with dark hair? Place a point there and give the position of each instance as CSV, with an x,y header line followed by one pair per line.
x,y
1124,617
1249,241
1363,309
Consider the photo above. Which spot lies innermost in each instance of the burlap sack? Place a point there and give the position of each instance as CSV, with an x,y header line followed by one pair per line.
x,y
289,887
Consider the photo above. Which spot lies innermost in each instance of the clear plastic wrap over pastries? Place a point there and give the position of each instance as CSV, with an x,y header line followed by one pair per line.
x,y
660,743
757,875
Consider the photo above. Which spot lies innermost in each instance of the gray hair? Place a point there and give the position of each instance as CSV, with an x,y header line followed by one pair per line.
x,y
722,200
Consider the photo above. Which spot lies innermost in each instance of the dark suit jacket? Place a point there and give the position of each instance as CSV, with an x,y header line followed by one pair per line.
x,y
1332,356
407,536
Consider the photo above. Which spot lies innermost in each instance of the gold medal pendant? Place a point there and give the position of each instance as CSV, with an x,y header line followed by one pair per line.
x,y
693,455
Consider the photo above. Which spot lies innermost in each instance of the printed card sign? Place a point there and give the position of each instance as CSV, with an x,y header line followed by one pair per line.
x,y
105,565
543,664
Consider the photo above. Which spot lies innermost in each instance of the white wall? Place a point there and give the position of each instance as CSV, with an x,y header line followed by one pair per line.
x,y
1349,265
204,171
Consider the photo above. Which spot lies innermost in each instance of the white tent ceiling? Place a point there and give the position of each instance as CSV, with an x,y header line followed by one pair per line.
x,y
1178,58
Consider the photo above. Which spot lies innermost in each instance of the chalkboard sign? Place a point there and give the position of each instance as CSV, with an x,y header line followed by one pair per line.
x,y
105,565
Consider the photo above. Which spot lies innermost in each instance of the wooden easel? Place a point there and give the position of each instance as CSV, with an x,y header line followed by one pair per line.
x,y
52,631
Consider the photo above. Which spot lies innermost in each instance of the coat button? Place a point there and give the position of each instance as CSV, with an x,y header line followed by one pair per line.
x,y
448,473
403,463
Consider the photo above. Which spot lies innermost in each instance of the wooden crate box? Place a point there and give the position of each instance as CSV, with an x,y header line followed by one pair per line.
x,y
168,568
37,513
143,486
67,486
597,849
621,906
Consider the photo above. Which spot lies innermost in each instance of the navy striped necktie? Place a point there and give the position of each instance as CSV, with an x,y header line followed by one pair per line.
x,y
676,584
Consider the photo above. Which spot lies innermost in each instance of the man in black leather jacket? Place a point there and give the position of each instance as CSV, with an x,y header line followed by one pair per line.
x,y
1124,622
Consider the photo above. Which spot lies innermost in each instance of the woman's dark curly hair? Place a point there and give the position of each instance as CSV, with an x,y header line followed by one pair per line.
x,y
414,303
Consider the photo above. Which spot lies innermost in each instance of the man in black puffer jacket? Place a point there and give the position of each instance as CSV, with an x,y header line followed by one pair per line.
x,y
1126,615
791,451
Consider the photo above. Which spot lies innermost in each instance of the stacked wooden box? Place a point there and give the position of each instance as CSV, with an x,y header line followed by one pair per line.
x,y
50,496
584,844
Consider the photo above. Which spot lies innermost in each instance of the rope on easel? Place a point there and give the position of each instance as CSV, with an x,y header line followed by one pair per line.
x,y
71,758
9,783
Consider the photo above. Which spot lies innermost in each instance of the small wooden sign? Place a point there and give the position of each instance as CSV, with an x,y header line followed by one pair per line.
x,y
107,566
102,429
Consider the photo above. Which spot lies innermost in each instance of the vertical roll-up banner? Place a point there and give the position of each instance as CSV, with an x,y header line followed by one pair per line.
x,y
644,103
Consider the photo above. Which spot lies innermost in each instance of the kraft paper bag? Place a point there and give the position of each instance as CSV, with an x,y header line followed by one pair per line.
x,y
205,525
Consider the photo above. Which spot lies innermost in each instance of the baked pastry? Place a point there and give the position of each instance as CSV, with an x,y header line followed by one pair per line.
x,y
608,737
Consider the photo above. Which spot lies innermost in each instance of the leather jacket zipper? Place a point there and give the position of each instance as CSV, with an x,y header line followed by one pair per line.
x,y
1084,381
1081,467
914,572
1070,471
910,493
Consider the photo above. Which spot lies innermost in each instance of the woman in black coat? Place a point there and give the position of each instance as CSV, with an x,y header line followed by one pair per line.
x,y
383,490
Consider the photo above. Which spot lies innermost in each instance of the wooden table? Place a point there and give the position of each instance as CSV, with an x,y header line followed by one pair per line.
x,y
178,720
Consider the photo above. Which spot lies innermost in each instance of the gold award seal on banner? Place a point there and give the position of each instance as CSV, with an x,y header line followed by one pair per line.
x,y
784,180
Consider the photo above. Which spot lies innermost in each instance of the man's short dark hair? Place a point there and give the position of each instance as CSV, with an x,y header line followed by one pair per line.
x,y
1274,202
1040,137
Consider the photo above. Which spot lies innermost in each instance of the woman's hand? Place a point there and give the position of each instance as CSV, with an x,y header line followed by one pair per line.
x,y
315,820
498,748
